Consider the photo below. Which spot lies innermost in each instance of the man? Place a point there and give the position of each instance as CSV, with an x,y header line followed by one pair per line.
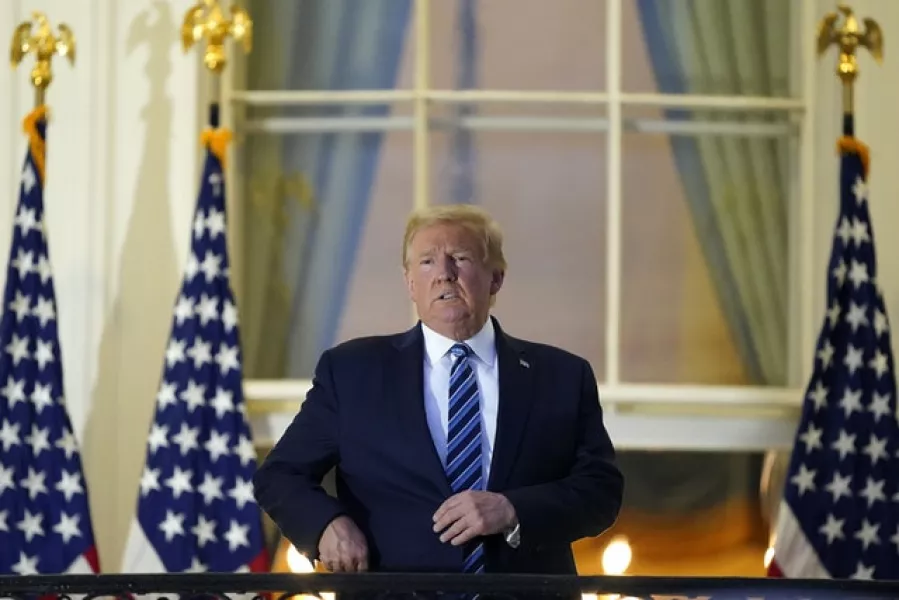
x,y
457,447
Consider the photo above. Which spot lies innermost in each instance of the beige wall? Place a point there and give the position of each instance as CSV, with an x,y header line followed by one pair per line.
x,y
122,170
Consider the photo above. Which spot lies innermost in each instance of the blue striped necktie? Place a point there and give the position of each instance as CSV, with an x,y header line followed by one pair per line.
x,y
464,467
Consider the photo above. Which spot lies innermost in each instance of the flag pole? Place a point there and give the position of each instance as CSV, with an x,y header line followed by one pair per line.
x,y
207,20
44,45
44,471
835,519
848,39
215,526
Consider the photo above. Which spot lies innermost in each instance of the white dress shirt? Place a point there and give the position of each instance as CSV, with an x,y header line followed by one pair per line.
x,y
437,364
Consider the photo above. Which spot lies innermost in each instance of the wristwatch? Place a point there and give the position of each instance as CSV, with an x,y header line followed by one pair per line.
x,y
513,538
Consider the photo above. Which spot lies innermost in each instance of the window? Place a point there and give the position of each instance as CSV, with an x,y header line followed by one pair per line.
x,y
643,156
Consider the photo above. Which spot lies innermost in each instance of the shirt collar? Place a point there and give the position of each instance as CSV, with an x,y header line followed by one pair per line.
x,y
483,344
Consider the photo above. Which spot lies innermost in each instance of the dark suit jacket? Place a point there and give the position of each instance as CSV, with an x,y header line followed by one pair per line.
x,y
365,416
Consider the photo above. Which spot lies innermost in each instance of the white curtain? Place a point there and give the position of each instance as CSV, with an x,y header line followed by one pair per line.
x,y
310,193
737,193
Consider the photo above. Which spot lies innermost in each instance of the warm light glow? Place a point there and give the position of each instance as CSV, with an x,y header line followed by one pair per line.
x,y
297,562
769,556
616,558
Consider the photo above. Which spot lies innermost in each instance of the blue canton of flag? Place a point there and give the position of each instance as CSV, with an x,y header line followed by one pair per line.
x,y
45,524
839,515
196,511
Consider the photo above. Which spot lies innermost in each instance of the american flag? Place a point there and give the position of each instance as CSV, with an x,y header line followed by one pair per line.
x,y
45,523
838,518
196,511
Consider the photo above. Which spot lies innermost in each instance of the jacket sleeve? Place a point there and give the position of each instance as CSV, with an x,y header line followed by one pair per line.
x,y
587,500
288,484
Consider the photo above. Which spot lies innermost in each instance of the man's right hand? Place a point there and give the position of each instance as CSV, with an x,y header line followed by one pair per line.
x,y
342,547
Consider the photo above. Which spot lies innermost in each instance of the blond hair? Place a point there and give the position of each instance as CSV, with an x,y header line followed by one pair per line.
x,y
475,219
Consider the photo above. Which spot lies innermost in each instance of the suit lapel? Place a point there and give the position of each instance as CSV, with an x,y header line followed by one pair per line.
x,y
516,395
405,389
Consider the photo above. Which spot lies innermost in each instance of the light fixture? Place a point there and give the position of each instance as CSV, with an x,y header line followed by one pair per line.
x,y
616,557
298,562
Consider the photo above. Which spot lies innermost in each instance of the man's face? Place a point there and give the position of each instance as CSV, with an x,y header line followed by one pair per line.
x,y
449,280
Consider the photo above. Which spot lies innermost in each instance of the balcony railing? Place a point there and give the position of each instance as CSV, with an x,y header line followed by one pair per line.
x,y
384,586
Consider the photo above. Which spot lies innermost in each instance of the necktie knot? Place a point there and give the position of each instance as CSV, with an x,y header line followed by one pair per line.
x,y
460,350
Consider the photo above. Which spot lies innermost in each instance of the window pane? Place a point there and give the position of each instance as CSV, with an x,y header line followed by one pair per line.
x,y
323,225
705,251
518,44
729,47
547,192
328,45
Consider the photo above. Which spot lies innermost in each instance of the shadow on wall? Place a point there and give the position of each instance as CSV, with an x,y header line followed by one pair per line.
x,y
134,335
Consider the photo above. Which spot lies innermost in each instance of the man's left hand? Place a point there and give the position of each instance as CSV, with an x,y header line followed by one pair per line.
x,y
469,514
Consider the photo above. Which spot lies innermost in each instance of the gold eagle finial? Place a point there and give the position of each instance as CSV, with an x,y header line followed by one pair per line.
x,y
849,38
206,20
44,45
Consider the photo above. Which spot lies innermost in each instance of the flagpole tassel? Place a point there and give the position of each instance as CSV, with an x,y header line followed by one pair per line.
x,y
36,144
848,144
217,141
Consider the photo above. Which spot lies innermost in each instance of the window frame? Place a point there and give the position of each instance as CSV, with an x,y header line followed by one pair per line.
x,y
732,418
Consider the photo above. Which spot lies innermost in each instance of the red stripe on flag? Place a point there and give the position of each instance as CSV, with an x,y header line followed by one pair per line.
x,y
774,570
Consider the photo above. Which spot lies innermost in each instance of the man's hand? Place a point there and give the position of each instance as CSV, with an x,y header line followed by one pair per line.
x,y
469,514
342,547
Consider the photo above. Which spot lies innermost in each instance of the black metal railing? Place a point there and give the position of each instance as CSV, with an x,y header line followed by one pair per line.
x,y
383,586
